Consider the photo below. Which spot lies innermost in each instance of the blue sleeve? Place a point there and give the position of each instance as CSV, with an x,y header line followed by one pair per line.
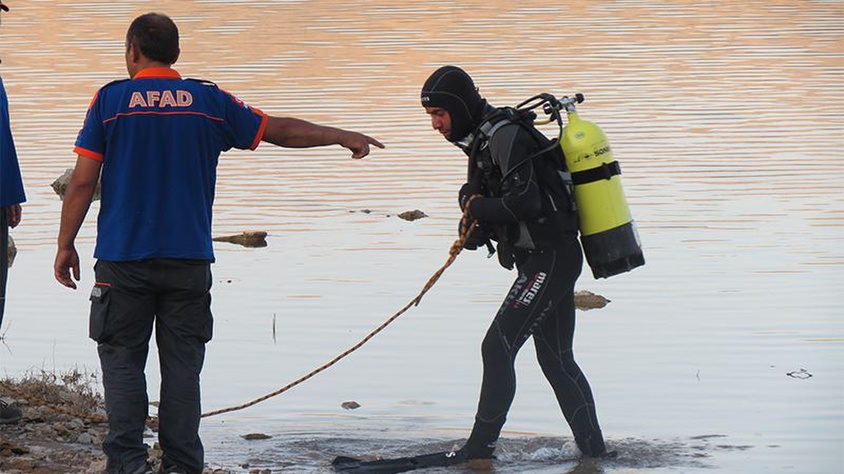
x,y
244,125
11,183
90,141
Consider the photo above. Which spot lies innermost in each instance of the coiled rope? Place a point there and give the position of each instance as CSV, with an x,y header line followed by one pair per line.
x,y
465,232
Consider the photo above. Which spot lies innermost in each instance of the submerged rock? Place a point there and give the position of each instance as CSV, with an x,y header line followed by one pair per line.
x,y
586,300
406,215
247,239
412,215
60,185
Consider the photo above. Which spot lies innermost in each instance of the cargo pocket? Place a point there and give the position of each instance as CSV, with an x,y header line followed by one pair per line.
x,y
99,311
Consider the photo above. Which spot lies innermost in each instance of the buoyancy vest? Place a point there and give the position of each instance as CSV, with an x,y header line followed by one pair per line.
x,y
558,214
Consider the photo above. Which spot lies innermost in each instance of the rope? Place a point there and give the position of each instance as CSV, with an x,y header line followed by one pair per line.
x,y
456,247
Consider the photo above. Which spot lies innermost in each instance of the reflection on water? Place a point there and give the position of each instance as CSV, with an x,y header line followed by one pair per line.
x,y
727,120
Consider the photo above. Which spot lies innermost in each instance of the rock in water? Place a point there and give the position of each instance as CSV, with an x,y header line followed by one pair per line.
x,y
586,300
412,215
246,239
60,185
11,251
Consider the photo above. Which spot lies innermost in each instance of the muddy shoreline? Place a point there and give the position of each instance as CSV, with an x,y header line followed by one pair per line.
x,y
62,427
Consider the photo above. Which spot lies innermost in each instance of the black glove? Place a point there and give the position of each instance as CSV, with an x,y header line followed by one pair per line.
x,y
505,255
478,238
468,190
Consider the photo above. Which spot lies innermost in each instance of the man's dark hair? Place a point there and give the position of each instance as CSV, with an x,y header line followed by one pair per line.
x,y
157,36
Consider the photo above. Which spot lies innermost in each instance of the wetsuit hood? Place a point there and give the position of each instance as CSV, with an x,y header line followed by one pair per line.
x,y
452,89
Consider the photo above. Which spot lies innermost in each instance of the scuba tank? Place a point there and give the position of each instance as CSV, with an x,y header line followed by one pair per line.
x,y
607,230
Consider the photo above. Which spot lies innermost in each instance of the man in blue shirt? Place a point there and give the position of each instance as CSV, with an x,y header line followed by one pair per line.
x,y
11,197
154,141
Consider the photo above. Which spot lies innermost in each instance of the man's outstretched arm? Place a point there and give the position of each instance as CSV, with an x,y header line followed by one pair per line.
x,y
297,133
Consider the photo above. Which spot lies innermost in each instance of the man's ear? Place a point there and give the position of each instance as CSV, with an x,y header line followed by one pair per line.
x,y
134,53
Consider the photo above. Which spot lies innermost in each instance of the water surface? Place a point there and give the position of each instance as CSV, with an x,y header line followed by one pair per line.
x,y
727,120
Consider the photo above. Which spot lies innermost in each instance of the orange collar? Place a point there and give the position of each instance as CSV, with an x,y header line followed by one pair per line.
x,y
158,73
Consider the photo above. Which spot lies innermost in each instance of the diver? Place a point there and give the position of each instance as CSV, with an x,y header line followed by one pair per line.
x,y
515,193
520,196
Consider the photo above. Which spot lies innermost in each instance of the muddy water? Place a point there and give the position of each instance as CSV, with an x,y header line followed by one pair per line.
x,y
724,352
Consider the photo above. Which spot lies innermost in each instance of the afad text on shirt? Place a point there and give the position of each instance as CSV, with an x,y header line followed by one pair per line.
x,y
160,99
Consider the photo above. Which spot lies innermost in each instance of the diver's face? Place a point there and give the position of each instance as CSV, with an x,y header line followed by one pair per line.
x,y
440,120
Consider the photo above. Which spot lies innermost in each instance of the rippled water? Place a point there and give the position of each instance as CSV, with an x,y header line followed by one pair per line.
x,y
728,120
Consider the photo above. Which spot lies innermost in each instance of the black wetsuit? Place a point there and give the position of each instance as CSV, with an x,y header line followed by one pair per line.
x,y
526,211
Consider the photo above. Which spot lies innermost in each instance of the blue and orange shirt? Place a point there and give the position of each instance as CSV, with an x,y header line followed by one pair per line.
x,y
159,138
11,184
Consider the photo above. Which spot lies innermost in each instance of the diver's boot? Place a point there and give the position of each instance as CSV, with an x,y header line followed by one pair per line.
x,y
480,445
592,445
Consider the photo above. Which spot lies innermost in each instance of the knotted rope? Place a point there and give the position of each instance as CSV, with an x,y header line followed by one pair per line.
x,y
465,232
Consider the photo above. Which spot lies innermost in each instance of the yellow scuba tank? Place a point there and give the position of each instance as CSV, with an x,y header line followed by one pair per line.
x,y
607,231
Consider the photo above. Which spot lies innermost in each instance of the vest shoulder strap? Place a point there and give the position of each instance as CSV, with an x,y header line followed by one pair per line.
x,y
504,116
